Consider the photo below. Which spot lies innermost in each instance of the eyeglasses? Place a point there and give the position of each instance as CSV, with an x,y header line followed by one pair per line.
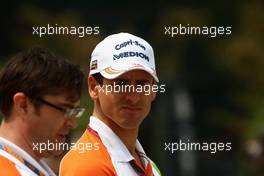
x,y
68,112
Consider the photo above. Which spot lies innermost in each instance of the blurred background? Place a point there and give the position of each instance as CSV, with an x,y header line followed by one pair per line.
x,y
214,86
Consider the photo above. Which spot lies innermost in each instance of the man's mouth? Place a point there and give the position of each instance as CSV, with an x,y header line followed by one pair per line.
x,y
62,137
131,108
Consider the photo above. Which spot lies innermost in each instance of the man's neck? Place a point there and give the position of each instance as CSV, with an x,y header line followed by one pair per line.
x,y
13,133
127,136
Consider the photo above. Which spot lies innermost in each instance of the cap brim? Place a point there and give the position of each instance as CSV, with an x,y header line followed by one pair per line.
x,y
114,72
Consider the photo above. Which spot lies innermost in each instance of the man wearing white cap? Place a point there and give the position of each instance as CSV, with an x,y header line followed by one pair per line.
x,y
121,67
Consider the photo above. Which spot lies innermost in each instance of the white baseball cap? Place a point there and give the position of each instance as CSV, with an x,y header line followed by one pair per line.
x,y
120,53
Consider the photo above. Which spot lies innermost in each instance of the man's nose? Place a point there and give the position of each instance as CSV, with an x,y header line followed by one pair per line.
x,y
132,96
71,122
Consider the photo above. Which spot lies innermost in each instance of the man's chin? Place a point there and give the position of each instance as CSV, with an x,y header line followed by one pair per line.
x,y
57,152
44,154
60,138
54,153
129,125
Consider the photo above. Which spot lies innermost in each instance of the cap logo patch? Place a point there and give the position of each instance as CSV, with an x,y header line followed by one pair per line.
x,y
94,65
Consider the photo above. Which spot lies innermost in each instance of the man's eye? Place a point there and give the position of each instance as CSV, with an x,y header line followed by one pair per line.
x,y
121,83
143,83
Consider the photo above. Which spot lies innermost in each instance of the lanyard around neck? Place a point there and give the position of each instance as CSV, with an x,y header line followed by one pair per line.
x,y
21,159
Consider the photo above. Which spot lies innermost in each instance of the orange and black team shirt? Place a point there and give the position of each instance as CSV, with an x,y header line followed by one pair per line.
x,y
106,155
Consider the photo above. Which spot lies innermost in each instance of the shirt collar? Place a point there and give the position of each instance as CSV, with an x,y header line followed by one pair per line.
x,y
26,156
112,142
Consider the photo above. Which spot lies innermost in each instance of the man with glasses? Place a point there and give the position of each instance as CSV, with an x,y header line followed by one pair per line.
x,y
69,112
39,100
122,70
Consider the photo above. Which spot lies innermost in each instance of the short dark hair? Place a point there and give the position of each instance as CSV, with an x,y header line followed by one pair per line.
x,y
99,78
38,72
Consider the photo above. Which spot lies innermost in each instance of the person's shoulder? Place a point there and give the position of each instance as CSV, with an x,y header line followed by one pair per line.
x,y
7,167
85,149
89,166
88,156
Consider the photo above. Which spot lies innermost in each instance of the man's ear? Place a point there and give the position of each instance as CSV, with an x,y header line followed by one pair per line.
x,y
20,103
93,87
